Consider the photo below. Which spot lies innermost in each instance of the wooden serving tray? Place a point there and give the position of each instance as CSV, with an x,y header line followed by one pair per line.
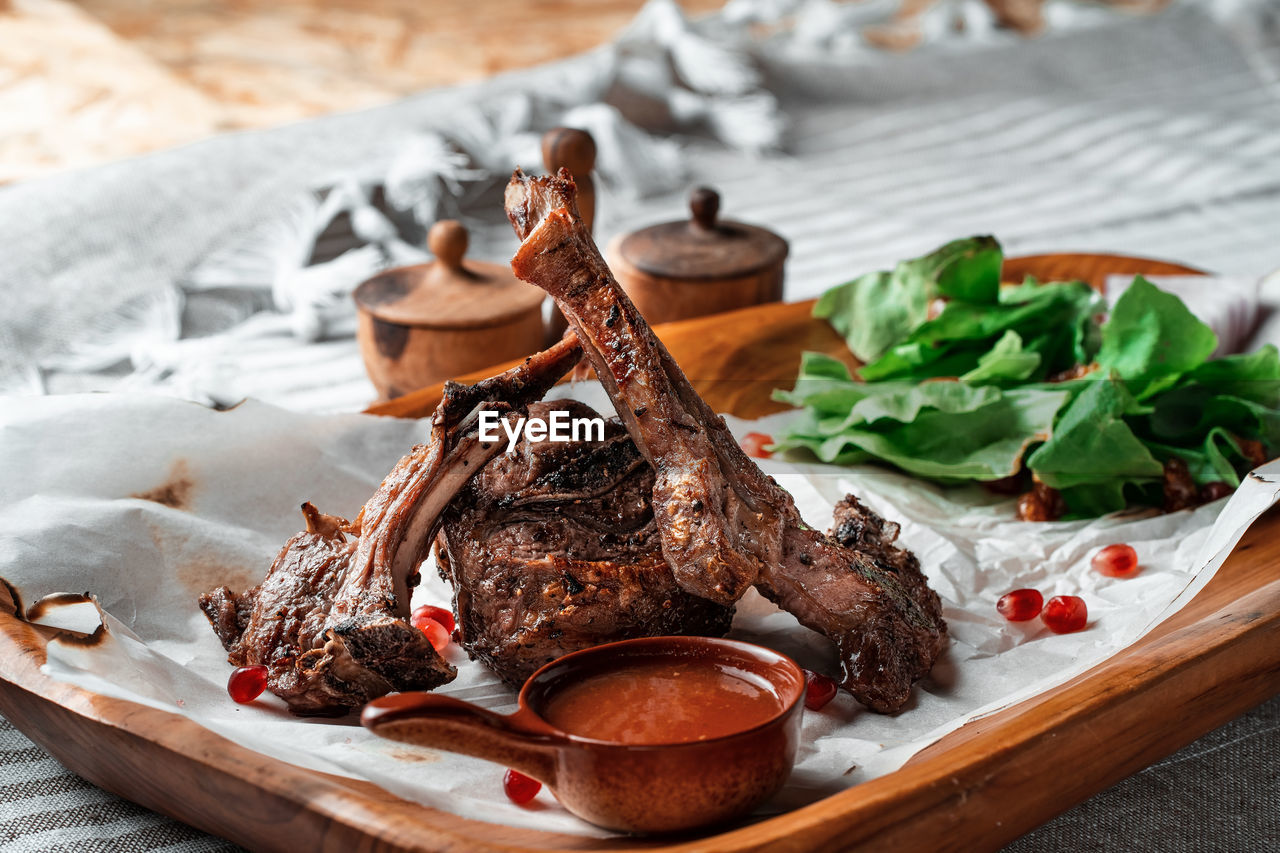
x,y
976,789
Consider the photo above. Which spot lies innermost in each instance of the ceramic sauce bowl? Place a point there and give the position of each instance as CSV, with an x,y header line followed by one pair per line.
x,y
645,736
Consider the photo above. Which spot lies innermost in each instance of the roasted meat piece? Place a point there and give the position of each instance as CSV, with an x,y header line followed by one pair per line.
x,y
723,524
553,548
715,531
329,620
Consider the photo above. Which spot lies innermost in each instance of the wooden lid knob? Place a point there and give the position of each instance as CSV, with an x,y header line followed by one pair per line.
x,y
571,148
448,240
704,204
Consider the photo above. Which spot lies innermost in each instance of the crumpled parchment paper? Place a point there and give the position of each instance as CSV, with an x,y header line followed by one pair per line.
x,y
147,501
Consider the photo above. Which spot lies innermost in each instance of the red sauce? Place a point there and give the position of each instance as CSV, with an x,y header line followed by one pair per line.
x,y
652,701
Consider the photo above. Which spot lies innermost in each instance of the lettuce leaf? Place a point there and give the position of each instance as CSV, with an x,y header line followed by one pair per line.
x,y
945,431
880,309
1151,339
1092,443
1152,394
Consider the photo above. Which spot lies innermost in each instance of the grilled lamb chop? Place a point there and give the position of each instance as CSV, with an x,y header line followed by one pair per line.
x,y
553,548
723,524
714,533
329,620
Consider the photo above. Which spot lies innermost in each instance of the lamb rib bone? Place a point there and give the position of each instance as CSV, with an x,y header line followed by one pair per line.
x,y
724,524
329,620
715,532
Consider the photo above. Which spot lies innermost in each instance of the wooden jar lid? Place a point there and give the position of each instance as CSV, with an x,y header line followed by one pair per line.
x,y
446,293
703,247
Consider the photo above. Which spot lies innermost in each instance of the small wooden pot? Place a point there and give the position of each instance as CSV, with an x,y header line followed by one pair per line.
x,y
678,270
421,324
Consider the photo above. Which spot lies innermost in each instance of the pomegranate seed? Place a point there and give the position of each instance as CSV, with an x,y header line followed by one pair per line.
x,y
818,691
1216,490
430,611
436,633
1020,605
1064,614
247,683
520,788
753,444
1116,561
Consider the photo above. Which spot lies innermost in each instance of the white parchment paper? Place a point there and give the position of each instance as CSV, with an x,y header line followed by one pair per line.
x,y
147,501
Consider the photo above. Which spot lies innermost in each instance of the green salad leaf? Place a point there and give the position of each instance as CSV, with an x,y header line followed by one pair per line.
x,y
947,431
1052,321
877,310
1151,338
1007,361
1145,389
1092,443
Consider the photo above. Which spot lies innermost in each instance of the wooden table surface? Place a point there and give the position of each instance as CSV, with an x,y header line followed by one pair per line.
x,y
96,80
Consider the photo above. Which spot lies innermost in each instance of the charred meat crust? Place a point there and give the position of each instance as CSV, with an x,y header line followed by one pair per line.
x,y
554,548
716,551
329,620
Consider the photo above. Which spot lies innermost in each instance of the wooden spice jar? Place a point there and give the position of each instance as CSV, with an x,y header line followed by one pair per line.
x,y
428,322
701,266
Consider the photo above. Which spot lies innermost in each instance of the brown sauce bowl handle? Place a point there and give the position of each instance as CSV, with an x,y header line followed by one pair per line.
x,y
521,741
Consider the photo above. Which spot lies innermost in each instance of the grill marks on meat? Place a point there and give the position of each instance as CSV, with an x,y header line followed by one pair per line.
x,y
554,548
723,524
713,536
868,596
329,620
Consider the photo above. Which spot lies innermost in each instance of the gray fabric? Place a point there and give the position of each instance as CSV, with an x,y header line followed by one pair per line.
x,y
83,241
1158,137
43,806
1220,793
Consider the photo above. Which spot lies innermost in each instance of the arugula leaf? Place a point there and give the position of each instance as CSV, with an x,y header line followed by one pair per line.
x,y
1210,459
966,269
1186,413
1093,499
1053,320
1151,338
880,309
1200,417
1005,361
1253,376
1101,441
1092,443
